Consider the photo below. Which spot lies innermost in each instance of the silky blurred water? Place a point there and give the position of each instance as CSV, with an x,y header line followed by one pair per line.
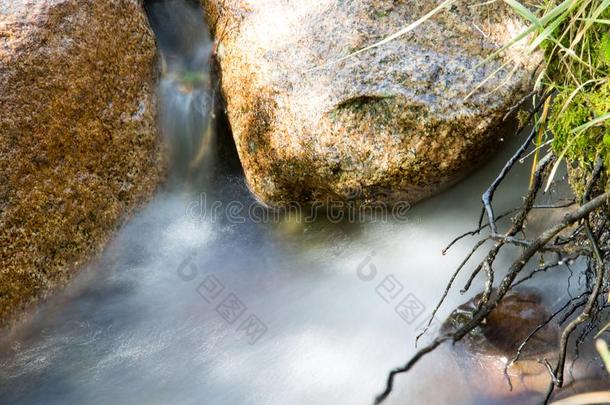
x,y
187,308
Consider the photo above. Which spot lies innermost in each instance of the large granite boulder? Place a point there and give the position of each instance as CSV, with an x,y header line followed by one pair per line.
x,y
394,123
78,142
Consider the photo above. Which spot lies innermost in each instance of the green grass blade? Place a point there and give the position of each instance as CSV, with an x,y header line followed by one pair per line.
x,y
547,32
524,12
595,21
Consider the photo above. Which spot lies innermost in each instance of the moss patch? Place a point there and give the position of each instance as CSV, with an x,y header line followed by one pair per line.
x,y
582,147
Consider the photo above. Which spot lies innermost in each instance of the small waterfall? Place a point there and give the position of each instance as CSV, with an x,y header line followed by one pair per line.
x,y
186,95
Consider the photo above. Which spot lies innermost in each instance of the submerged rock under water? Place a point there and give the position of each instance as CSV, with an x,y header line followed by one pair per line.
x,y
519,313
484,353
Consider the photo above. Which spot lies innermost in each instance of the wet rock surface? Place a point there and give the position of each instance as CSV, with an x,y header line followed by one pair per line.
x,y
399,122
78,142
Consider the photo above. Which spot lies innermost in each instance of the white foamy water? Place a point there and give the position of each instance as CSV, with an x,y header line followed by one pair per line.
x,y
138,326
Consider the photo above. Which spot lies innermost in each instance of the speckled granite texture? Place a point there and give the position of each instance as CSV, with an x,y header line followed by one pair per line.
x,y
393,123
78,143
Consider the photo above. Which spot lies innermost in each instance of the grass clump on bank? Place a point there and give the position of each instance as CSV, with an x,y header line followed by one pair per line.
x,y
575,38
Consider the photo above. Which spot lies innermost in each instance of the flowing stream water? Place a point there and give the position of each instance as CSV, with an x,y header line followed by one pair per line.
x,y
189,307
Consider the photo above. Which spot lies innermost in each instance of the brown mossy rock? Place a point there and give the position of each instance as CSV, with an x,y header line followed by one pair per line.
x,y
394,122
78,143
